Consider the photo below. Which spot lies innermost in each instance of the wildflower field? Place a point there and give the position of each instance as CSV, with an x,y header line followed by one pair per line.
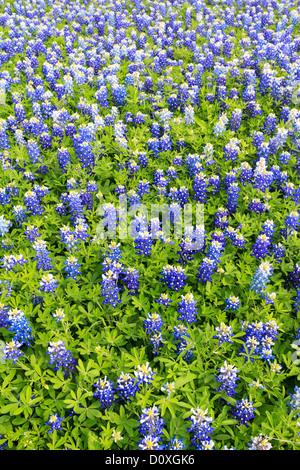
x,y
149,225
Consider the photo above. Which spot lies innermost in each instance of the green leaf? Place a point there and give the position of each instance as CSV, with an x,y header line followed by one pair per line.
x,y
10,408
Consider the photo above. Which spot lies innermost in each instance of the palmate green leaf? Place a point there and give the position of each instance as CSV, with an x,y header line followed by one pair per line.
x,y
9,408
181,381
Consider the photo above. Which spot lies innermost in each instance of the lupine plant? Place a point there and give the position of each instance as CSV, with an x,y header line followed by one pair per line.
x,y
115,333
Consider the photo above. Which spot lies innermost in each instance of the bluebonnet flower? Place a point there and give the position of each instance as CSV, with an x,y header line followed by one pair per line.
x,y
246,173
104,392
144,373
4,142
187,308
200,185
110,289
20,112
275,368
214,183
288,189
72,267
5,197
257,206
48,283
243,411
231,150
54,422
143,187
259,339
143,160
59,314
296,304
34,151
45,140
4,225
20,215
44,262
169,388
12,350
257,385
187,249
260,248
61,358
262,177
232,198
201,429
189,115
294,402
268,228
292,222
144,243
261,277
236,119
131,280
175,444
238,240
215,250
134,198
221,218
232,303
119,94
270,124
284,157
154,146
139,225
224,333
153,323
228,378
174,277
81,230
102,97
269,297
64,159
183,195
230,178
84,153
150,442
220,125
180,144
164,300
21,328
32,203
150,423
206,269
171,172
127,386
175,212
259,443
156,342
